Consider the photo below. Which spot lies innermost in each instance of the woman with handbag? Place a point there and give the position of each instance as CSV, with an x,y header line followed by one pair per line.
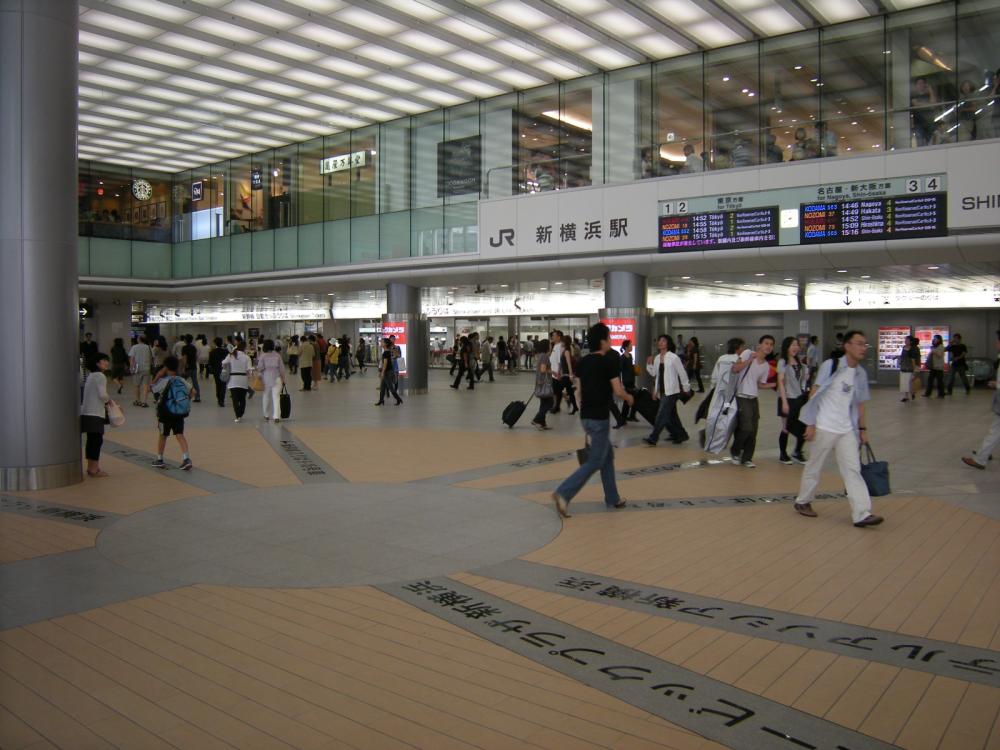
x,y
238,383
94,412
272,371
543,386
792,377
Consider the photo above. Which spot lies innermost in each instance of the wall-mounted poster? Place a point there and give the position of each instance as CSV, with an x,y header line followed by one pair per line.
x,y
397,329
143,214
891,340
926,334
459,166
623,329
161,210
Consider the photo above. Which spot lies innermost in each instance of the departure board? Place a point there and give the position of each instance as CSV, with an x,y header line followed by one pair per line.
x,y
741,227
897,217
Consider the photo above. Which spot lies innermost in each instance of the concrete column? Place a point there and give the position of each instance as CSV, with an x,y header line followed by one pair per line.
x,y
625,305
39,411
403,309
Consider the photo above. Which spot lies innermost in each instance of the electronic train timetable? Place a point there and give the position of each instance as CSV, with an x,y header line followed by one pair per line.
x,y
736,228
893,218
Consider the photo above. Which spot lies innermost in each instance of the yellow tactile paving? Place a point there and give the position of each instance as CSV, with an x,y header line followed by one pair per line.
x,y
127,489
360,453
238,452
23,537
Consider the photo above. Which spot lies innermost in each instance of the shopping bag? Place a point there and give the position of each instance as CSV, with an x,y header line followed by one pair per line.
x,y
285,403
256,381
115,415
875,473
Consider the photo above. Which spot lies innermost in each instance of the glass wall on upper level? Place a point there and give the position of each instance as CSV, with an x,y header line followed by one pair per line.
x,y
409,187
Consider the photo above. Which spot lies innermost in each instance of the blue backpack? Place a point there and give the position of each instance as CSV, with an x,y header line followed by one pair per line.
x,y
176,398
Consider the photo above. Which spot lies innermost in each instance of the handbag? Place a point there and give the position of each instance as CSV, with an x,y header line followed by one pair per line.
x,y
875,473
583,454
226,372
256,381
685,396
401,363
116,417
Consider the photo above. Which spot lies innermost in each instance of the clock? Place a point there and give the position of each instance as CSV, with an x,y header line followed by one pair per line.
x,y
142,190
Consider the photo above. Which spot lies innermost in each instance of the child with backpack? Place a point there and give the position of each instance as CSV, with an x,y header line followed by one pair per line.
x,y
173,407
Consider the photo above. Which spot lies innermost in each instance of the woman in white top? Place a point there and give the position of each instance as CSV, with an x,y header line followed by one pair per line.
x,y
721,412
239,366
792,379
93,412
272,370
669,381
201,344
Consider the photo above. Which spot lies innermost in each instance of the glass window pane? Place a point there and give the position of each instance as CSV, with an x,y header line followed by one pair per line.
x,y
284,166
157,186
182,206
427,131
678,119
582,102
241,187
111,201
497,124
260,182
394,165
364,157
853,60
459,155
539,138
978,71
790,98
337,171
922,68
310,182
732,95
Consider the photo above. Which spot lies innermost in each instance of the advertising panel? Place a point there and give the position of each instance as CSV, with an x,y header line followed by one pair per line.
x,y
397,328
926,334
623,329
891,340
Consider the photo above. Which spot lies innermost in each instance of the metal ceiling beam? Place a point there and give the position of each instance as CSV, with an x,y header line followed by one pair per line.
x,y
589,29
656,23
806,18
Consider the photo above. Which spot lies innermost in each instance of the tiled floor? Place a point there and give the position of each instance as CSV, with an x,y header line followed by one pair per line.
x,y
116,631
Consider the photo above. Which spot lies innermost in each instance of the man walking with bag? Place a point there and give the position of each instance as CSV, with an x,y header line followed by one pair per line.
x,y
834,417
992,439
598,378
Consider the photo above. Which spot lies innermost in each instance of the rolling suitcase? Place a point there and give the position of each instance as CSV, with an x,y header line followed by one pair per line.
x,y
285,403
513,412
646,406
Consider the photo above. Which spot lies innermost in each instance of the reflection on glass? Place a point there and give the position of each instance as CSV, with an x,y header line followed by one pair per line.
x,y
732,95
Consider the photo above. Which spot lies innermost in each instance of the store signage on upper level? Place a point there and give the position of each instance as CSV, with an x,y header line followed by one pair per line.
x,y
219,314
343,162
459,167
980,291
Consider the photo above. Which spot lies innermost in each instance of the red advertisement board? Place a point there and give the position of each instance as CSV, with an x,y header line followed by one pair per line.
x,y
622,329
397,328
926,334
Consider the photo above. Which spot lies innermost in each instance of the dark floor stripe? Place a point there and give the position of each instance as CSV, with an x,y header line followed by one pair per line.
x,y
305,464
200,478
580,508
896,649
470,475
95,519
711,708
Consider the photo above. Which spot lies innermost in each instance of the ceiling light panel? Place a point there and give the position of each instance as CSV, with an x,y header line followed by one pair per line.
x,y
288,49
119,24
136,71
105,81
160,57
425,42
473,61
262,14
226,31
190,44
470,31
394,82
194,84
370,22
278,88
382,55
345,67
325,35
87,39
228,75
254,62
154,9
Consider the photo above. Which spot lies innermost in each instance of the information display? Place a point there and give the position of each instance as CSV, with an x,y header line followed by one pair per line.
x,y
396,328
891,340
742,227
926,334
897,217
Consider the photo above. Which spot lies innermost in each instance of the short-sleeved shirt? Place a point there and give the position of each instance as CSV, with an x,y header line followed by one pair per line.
x,y
190,354
596,371
793,378
143,357
835,410
758,372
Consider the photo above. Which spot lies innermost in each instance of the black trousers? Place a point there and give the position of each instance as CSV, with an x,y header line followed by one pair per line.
x,y
747,419
963,374
293,363
463,371
388,385
557,392
696,375
544,406
92,450
220,391
569,390
239,397
935,377
307,377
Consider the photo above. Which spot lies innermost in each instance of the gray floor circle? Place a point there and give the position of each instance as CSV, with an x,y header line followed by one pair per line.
x,y
327,535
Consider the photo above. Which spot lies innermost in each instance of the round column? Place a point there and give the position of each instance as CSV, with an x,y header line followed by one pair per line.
x,y
626,314
403,316
39,411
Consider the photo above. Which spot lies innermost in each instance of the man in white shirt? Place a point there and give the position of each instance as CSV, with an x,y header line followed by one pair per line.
x,y
555,367
140,359
834,417
752,371
992,439
669,380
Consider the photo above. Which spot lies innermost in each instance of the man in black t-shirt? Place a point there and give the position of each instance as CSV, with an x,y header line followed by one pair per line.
x,y
189,354
598,378
959,365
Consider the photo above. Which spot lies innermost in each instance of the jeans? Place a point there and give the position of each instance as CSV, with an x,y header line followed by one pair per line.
x,y
601,458
845,447
220,390
239,397
963,374
747,418
667,418
935,376
192,375
544,406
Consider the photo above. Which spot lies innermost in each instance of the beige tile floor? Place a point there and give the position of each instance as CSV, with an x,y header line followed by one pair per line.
x,y
207,666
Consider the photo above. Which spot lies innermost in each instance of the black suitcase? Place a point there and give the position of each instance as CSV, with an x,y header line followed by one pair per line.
x,y
285,403
646,406
513,412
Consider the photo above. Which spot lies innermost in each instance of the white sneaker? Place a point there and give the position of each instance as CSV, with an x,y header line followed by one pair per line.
x,y
237,420
749,465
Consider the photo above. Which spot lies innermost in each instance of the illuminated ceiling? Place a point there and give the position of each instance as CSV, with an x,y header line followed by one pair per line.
x,y
173,84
